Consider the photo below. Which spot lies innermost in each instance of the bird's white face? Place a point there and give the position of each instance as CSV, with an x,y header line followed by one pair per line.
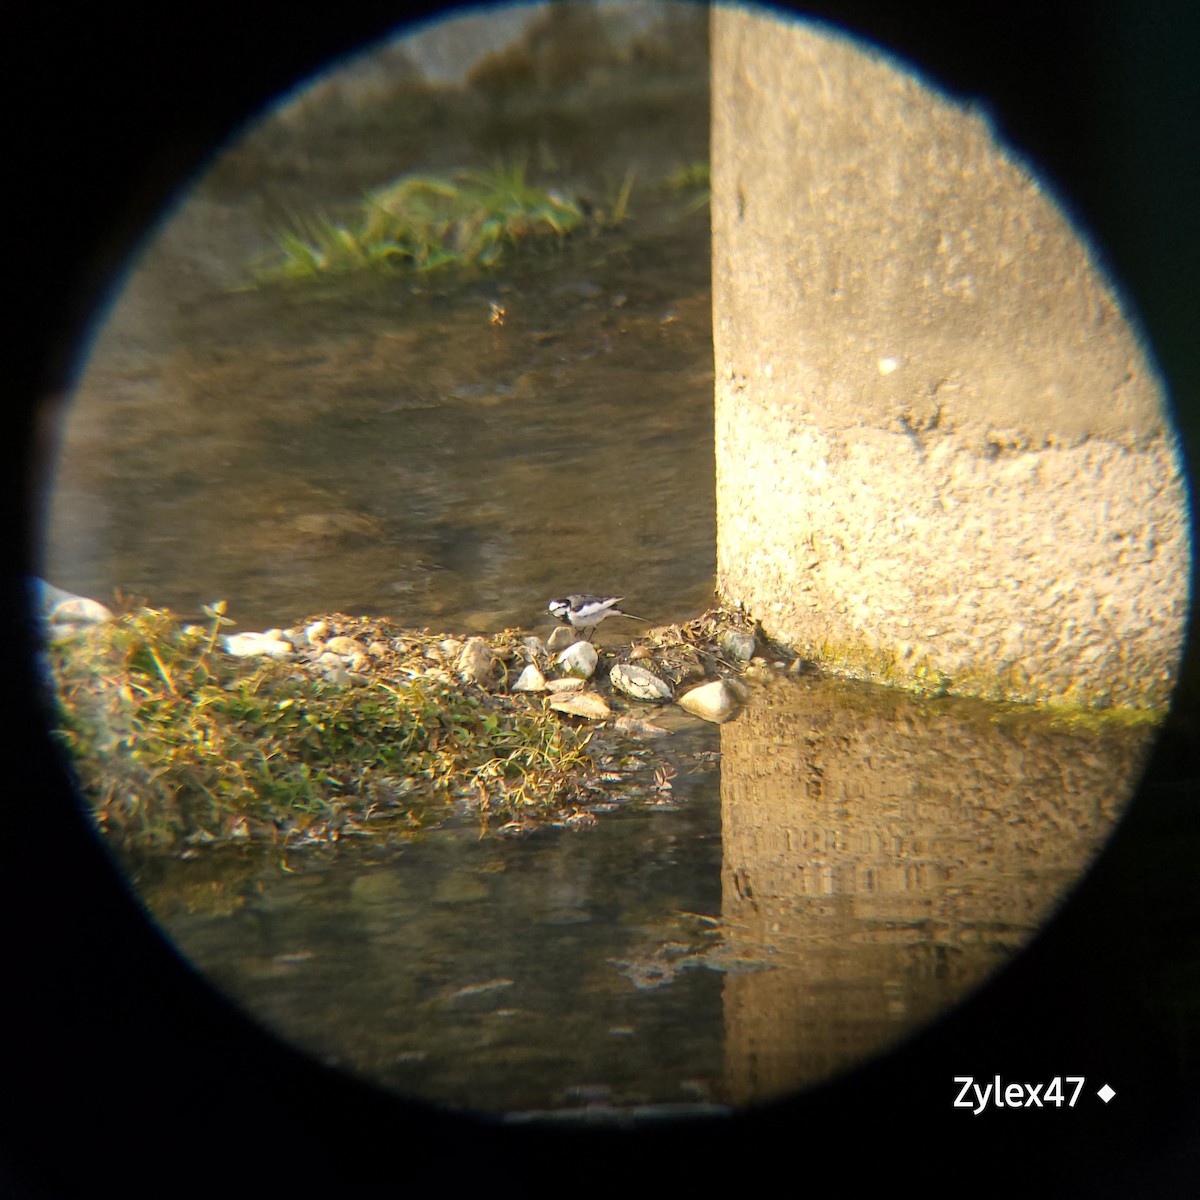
x,y
559,609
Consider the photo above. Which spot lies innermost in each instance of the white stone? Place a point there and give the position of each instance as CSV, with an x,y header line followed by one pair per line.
x,y
639,683
582,704
566,685
250,645
716,701
530,680
80,608
63,607
579,659
560,639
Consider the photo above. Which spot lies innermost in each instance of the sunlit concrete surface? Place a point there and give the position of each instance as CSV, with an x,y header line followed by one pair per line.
x,y
944,460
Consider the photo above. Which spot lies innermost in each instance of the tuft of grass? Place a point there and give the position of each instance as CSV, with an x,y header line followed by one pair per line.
x,y
690,179
175,741
619,208
423,223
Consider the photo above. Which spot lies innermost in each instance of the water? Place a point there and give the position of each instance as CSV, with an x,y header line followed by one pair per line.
x,y
850,865
489,975
834,869
374,451
378,446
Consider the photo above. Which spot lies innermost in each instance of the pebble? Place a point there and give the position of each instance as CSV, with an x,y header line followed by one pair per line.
x,y
315,633
476,662
635,727
582,704
249,645
639,683
738,643
716,701
560,639
530,680
53,600
579,659
64,608
759,670
345,646
566,685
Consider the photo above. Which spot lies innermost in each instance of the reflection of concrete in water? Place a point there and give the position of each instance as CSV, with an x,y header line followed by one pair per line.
x,y
885,855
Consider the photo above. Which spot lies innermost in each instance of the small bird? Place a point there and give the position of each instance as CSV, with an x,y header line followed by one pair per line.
x,y
585,611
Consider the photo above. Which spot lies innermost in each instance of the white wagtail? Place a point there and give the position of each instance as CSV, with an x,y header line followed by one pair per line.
x,y
585,611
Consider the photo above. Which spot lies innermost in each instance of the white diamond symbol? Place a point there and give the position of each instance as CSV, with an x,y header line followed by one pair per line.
x,y
1106,1093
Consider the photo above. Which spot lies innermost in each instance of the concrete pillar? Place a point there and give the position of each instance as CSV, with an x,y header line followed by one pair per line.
x,y
943,459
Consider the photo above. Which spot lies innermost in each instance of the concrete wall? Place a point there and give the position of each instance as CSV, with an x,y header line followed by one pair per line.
x,y
943,459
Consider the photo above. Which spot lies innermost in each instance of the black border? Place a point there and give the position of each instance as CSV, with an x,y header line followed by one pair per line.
x,y
119,1066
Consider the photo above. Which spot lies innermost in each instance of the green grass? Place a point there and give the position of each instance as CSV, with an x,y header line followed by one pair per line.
x,y
176,741
423,223
688,177
691,180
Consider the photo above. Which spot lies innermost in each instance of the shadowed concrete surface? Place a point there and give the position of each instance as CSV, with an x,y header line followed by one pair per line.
x,y
943,459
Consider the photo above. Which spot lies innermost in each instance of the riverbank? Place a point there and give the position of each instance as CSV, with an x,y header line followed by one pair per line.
x,y
183,734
